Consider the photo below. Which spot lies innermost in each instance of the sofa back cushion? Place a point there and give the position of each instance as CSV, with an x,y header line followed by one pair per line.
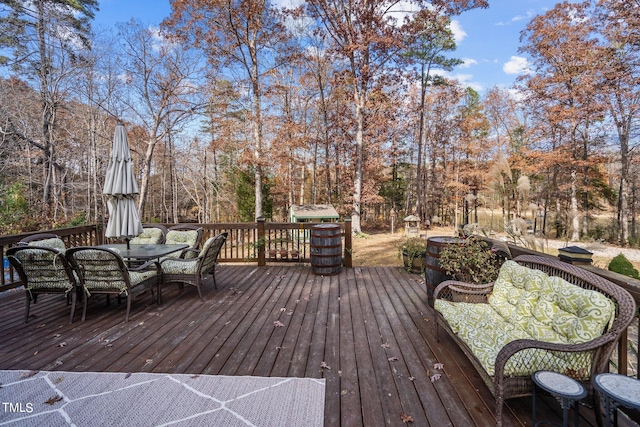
x,y
575,314
515,292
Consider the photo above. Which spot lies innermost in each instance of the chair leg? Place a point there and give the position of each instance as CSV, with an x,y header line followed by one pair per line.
x,y
73,304
499,407
213,273
26,315
199,290
159,292
126,318
84,308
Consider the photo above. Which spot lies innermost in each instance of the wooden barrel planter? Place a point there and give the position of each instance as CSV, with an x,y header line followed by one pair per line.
x,y
325,249
433,273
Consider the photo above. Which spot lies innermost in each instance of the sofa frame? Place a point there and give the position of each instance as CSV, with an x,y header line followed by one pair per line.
x,y
505,387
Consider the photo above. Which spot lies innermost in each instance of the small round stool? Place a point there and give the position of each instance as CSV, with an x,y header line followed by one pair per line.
x,y
566,390
617,390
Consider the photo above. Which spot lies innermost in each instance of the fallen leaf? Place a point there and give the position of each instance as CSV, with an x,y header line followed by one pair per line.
x,y
128,375
283,309
36,352
108,345
324,365
41,325
438,366
412,378
392,359
343,392
195,376
62,344
435,377
52,400
58,363
28,374
406,418
56,336
278,324
58,380
339,373
290,313
100,339
385,345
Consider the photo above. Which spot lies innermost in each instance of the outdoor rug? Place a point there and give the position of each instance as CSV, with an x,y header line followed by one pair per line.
x,y
40,398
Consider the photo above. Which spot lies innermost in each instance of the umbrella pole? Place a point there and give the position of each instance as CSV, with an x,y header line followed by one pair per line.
x,y
127,240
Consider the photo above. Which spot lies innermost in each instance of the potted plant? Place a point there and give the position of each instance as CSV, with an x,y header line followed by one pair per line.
x,y
471,261
414,252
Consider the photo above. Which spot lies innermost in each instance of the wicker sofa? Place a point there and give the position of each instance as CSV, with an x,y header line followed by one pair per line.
x,y
540,313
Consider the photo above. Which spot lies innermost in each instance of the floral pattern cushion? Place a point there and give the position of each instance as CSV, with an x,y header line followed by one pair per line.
x,y
137,277
149,236
170,266
516,291
188,237
577,314
54,243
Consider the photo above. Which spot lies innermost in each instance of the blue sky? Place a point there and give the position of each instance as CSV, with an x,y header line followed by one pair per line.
x,y
488,39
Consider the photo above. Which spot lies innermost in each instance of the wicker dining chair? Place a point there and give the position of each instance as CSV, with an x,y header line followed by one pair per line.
x,y
188,234
43,270
152,234
193,271
103,271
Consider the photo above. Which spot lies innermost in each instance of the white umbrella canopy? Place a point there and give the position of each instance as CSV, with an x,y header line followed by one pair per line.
x,y
121,187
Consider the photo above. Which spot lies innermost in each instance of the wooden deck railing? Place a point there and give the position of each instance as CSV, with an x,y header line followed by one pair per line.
x,y
262,242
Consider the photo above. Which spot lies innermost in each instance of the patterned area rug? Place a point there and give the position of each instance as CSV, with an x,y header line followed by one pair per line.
x,y
143,399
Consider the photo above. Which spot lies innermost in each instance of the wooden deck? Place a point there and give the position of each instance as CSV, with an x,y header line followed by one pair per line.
x,y
368,331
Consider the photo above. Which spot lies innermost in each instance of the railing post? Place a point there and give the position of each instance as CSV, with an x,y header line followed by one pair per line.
x,y
261,241
348,250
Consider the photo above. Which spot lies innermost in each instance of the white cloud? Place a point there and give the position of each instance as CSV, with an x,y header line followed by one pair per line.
x,y
468,62
401,10
466,81
517,65
458,33
530,14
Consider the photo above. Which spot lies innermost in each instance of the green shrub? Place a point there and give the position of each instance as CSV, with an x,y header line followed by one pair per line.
x,y
621,265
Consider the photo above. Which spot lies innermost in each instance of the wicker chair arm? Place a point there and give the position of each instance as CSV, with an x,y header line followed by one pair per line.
x,y
147,265
443,291
184,253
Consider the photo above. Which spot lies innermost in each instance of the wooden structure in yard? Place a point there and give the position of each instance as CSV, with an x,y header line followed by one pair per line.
x,y
367,331
313,213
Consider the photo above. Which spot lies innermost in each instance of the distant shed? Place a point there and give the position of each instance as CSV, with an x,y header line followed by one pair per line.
x,y
313,213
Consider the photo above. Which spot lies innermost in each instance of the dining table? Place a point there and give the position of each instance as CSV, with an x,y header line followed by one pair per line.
x,y
144,252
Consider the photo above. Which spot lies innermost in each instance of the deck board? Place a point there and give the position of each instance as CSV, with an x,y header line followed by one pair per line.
x,y
369,327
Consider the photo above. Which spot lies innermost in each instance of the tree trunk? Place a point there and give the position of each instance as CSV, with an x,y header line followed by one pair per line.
x,y
357,180
575,216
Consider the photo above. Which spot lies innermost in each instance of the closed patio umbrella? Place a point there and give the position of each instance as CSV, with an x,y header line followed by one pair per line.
x,y
121,187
